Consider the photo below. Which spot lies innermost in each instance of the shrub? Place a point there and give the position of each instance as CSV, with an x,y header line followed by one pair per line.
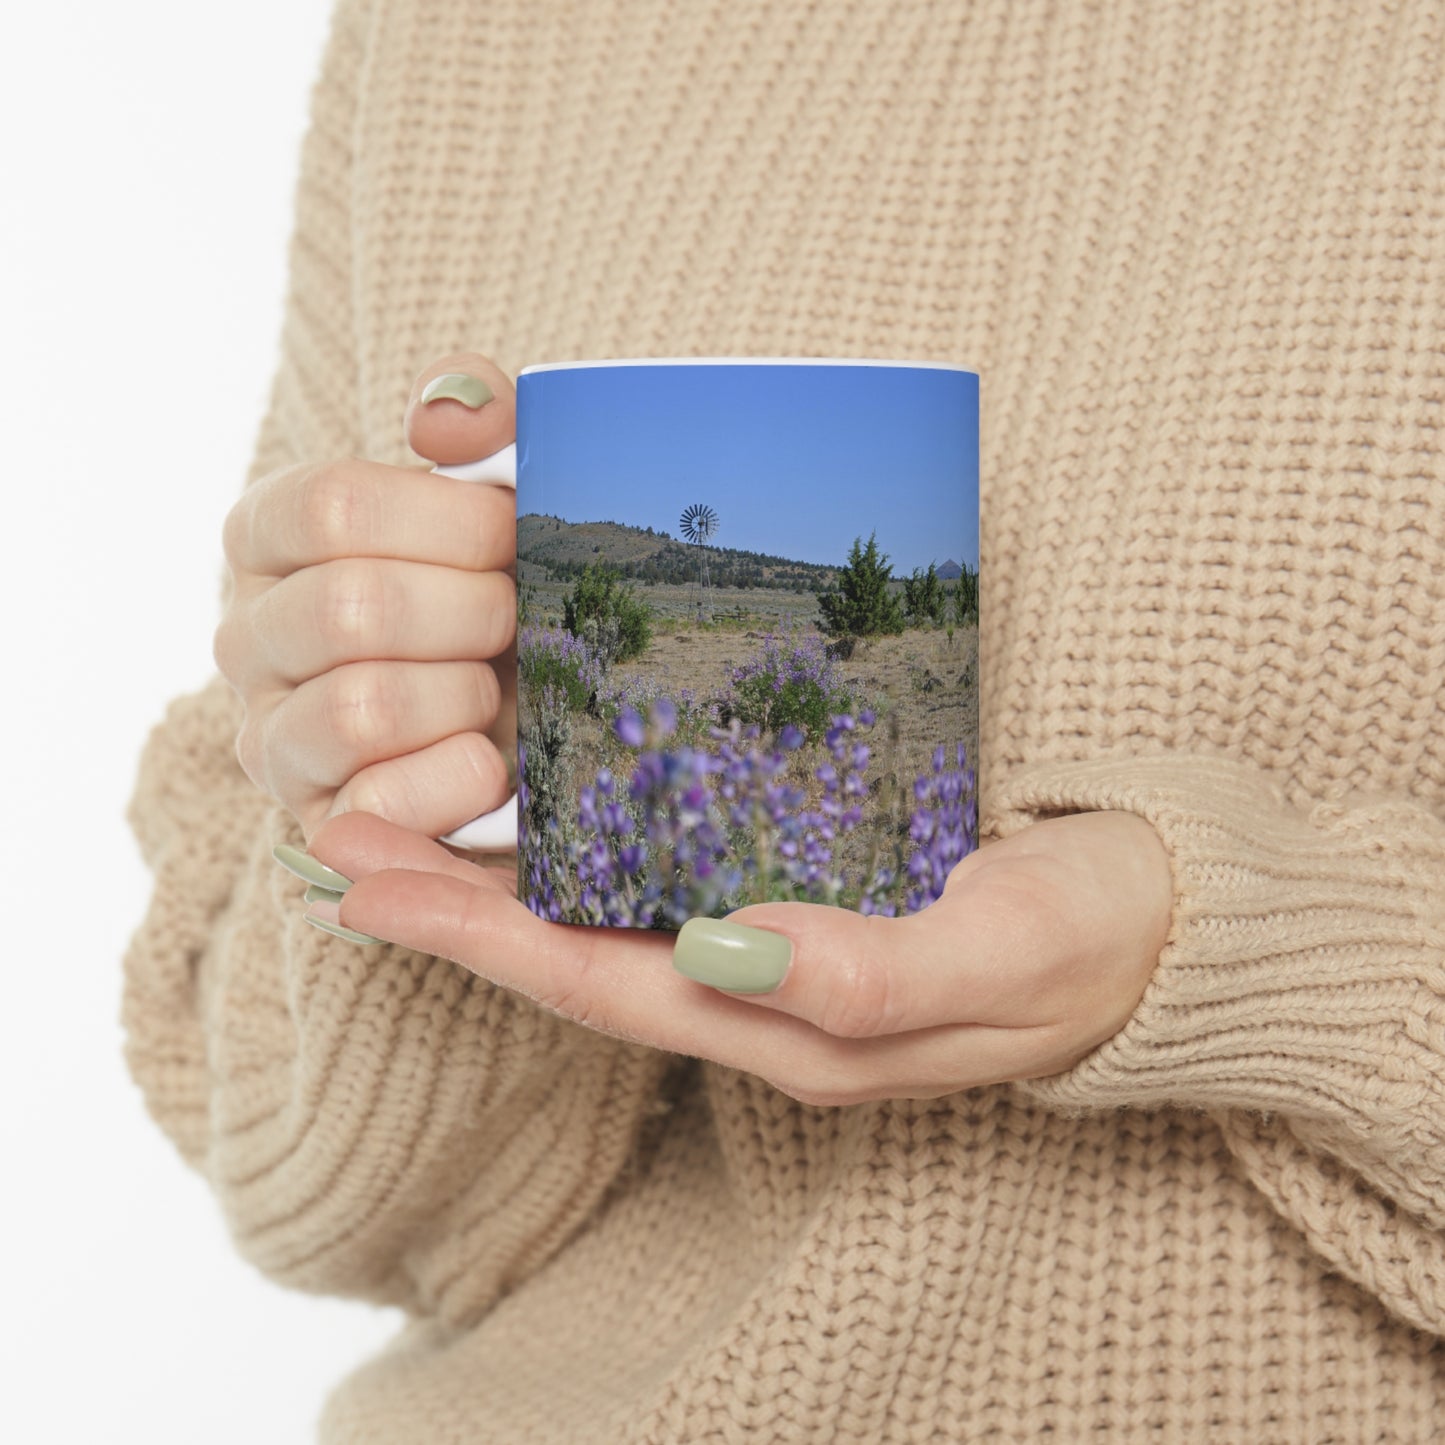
x,y
612,618
789,683
548,657
862,604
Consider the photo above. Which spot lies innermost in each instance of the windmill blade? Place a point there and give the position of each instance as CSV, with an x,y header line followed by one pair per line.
x,y
699,521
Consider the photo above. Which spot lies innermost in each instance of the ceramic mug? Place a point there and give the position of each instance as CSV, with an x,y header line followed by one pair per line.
x,y
747,635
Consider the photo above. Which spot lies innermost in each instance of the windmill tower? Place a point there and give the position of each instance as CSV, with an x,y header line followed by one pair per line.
x,y
697,525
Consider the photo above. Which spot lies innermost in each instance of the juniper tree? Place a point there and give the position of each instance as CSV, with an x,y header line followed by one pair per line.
x,y
607,615
924,600
965,597
862,603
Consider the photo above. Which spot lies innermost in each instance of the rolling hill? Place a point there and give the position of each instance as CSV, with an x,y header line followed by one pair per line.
x,y
562,549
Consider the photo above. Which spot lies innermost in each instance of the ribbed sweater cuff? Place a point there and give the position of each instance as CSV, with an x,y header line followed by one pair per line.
x,y
1305,967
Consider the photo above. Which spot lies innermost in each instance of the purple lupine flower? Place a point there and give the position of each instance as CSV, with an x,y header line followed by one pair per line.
x,y
550,653
664,717
944,826
691,831
628,727
788,680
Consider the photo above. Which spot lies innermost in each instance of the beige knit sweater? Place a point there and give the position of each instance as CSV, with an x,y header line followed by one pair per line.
x,y
1198,253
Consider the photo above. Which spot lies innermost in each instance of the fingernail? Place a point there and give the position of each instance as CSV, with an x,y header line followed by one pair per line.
x,y
304,866
349,934
471,391
732,955
323,895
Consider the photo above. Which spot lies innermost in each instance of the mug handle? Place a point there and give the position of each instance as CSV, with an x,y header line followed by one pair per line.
x,y
496,830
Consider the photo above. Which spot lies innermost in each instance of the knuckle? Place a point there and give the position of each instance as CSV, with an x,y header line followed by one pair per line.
x,y
250,752
481,528
353,607
367,794
574,1000
486,774
253,509
387,791
859,1003
331,507
501,614
362,709
588,1012
1041,922
225,649
489,692
864,991
236,645
236,530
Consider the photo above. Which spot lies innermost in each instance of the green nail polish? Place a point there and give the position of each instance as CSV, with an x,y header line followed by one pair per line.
x,y
732,955
322,895
305,867
349,934
471,391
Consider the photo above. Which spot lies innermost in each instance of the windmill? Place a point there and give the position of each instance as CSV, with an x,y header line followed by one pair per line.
x,y
698,523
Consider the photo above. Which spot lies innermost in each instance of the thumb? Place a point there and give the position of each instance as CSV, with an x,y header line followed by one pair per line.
x,y
462,408
849,974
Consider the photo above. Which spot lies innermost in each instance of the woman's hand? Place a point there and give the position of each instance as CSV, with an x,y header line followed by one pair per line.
x,y
1039,950
366,599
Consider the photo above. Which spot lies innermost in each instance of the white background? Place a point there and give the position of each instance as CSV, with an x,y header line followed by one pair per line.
x,y
148,153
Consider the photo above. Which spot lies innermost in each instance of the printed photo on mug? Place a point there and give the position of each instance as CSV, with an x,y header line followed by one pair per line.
x,y
747,635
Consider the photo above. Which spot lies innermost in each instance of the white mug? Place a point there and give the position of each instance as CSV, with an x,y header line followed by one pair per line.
x,y
747,505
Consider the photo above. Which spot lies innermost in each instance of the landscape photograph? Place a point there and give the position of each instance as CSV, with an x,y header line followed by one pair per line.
x,y
747,637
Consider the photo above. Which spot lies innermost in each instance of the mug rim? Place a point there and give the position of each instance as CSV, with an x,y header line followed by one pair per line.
x,y
748,361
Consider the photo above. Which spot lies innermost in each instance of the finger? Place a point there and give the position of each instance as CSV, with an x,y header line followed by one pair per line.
x,y
468,414
433,790
857,976
357,609
301,516
620,982
329,729
358,844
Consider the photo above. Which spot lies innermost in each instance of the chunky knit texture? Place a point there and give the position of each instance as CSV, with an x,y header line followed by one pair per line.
x,y
1198,254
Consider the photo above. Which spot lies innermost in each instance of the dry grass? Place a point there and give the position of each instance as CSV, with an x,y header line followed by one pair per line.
x,y
926,683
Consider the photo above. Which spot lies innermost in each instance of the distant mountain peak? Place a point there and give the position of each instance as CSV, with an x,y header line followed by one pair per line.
x,y
949,571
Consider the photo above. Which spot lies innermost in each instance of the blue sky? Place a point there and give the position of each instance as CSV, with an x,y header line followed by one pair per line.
x,y
796,460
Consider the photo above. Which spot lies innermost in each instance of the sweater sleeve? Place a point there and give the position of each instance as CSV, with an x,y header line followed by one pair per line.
x,y
375,1123
1299,1000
